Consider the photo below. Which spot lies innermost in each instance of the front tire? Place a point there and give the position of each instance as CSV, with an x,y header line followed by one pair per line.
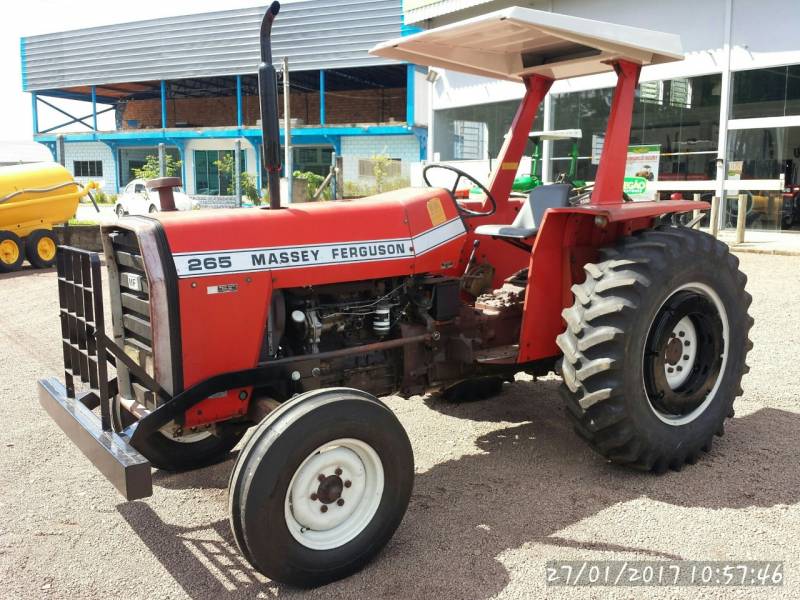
x,y
177,453
320,487
655,347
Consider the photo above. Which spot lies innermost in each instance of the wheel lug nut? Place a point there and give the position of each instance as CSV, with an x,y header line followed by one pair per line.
x,y
314,497
321,477
340,502
681,334
686,342
347,483
670,370
679,369
323,508
685,357
338,471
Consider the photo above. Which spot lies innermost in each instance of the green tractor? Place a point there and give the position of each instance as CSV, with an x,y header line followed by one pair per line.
x,y
526,183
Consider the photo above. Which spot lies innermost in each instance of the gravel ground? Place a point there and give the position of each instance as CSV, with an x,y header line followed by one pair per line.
x,y
502,487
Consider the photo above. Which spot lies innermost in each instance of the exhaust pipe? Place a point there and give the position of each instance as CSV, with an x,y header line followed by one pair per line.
x,y
268,98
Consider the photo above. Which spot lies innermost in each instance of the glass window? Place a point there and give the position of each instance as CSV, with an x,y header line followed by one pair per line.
x,y
766,153
681,115
475,132
87,168
772,92
207,178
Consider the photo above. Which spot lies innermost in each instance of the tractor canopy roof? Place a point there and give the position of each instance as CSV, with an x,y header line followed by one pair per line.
x,y
515,43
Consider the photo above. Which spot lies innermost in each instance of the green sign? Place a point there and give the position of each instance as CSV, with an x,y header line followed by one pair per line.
x,y
633,186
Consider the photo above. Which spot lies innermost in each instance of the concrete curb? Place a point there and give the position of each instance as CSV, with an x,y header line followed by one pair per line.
x,y
776,251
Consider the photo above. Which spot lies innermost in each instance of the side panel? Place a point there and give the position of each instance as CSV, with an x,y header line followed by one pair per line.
x,y
223,318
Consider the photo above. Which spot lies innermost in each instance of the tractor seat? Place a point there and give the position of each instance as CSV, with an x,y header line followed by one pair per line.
x,y
530,216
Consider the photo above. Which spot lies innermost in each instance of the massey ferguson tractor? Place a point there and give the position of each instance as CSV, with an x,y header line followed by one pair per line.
x,y
292,321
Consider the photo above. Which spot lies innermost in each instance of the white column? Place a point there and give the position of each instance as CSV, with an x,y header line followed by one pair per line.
x,y
547,145
724,109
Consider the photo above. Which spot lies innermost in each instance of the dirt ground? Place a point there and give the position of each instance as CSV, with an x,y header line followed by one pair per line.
x,y
502,486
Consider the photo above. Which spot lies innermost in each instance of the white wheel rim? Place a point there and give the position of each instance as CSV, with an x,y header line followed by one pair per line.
x,y
327,514
686,333
190,437
708,292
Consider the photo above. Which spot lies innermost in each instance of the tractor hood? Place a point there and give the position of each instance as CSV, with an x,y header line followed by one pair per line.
x,y
397,233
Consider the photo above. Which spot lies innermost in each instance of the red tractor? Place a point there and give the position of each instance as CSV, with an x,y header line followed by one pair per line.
x,y
291,321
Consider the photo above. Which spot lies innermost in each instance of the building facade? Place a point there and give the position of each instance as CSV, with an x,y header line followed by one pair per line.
x,y
190,83
724,121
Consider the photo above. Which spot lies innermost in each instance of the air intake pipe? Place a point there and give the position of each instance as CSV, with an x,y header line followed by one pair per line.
x,y
268,98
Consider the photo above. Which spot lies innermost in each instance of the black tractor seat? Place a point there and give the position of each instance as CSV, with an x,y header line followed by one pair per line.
x,y
530,216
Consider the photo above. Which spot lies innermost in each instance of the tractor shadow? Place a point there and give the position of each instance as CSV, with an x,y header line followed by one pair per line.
x,y
529,482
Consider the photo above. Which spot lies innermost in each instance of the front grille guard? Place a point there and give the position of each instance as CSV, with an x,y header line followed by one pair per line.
x,y
88,353
83,330
87,349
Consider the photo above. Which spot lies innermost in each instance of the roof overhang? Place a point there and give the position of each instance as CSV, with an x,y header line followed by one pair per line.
x,y
515,43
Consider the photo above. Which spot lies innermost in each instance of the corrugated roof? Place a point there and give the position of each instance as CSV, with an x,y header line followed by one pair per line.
x,y
314,34
429,9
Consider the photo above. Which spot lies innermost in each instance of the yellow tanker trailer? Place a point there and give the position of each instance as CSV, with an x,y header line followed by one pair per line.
x,y
34,198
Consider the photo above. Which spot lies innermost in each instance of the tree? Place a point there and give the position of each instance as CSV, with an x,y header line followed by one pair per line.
x,y
226,167
150,169
380,168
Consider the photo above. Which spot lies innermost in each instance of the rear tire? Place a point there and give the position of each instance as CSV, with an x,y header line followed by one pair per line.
x,y
40,248
320,486
12,252
655,347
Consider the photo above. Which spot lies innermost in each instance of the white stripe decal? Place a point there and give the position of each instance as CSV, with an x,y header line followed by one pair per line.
x,y
197,264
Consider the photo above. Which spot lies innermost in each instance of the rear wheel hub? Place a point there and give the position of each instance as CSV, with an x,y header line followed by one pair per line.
x,y
685,353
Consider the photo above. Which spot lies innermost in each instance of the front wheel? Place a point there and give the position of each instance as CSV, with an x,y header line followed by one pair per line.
x,y
320,486
655,347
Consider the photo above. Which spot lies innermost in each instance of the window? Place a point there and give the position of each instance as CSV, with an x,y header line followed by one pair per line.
x,y
773,92
87,168
475,132
681,115
208,181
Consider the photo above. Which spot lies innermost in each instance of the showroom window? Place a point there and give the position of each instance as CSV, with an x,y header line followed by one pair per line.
x,y
679,115
475,132
765,153
773,92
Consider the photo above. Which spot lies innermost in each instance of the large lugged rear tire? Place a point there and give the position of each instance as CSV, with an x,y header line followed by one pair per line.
x,y
320,486
655,347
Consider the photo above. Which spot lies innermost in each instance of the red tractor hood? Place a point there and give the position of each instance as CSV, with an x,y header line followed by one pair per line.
x,y
398,233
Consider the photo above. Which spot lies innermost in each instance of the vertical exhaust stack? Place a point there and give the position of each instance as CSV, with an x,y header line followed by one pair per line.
x,y
268,98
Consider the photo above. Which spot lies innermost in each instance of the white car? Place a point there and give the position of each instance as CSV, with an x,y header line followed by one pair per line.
x,y
136,199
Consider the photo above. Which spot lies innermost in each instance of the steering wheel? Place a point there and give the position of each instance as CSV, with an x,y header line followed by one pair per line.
x,y
465,212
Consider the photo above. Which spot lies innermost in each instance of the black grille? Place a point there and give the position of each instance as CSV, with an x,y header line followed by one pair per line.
x,y
131,308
